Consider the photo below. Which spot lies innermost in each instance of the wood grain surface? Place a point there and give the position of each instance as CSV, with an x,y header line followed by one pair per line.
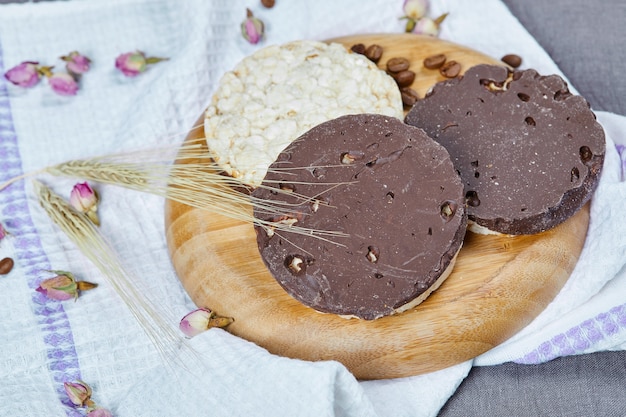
x,y
499,283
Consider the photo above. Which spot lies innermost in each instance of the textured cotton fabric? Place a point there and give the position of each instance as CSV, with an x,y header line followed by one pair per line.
x,y
44,343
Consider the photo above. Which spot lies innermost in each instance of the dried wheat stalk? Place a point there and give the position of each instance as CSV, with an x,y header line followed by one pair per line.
x,y
81,231
192,179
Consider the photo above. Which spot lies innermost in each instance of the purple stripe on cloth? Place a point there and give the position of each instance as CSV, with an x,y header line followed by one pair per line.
x,y
579,338
51,317
621,150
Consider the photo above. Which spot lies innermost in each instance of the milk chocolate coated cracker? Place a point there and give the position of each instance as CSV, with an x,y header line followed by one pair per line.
x,y
529,152
400,203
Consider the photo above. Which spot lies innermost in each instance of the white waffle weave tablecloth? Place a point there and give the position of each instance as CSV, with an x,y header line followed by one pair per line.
x,y
44,343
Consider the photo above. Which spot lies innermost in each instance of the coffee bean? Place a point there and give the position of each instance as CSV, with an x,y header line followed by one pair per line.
x,y
374,53
450,69
404,78
512,60
268,3
434,61
398,64
6,265
409,96
358,48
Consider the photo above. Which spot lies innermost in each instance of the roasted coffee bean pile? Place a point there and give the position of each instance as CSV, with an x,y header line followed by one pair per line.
x,y
397,67
449,69
372,52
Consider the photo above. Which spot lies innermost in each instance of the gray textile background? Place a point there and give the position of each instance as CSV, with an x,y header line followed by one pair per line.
x,y
587,40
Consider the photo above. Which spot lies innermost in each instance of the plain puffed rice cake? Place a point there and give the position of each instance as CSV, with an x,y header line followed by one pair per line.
x,y
280,92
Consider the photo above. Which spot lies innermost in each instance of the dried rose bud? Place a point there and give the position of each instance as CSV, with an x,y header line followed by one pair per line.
x,y
63,84
76,63
428,26
132,64
252,28
415,9
99,412
25,75
78,392
85,200
200,320
63,286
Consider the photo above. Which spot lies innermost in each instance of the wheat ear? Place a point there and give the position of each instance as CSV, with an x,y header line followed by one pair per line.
x,y
193,179
81,231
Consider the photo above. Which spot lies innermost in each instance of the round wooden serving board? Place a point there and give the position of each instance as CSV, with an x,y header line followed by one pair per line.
x,y
499,284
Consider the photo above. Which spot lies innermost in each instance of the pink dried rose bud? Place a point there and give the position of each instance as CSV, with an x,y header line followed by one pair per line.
x,y
84,199
200,320
63,84
252,28
63,286
27,74
132,64
76,63
415,9
99,412
427,26
78,392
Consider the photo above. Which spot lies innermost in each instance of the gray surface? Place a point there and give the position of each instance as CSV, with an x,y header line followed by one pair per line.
x,y
575,386
588,41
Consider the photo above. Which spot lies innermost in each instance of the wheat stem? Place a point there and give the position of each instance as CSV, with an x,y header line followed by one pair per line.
x,y
193,179
20,177
86,237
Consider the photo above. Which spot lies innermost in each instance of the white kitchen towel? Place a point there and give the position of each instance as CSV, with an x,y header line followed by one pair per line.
x,y
44,343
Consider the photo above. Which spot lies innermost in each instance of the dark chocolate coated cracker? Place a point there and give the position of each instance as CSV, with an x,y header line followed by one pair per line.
x,y
401,205
529,152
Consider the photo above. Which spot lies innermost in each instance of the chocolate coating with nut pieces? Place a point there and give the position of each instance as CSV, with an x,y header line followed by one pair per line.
x,y
400,202
529,152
